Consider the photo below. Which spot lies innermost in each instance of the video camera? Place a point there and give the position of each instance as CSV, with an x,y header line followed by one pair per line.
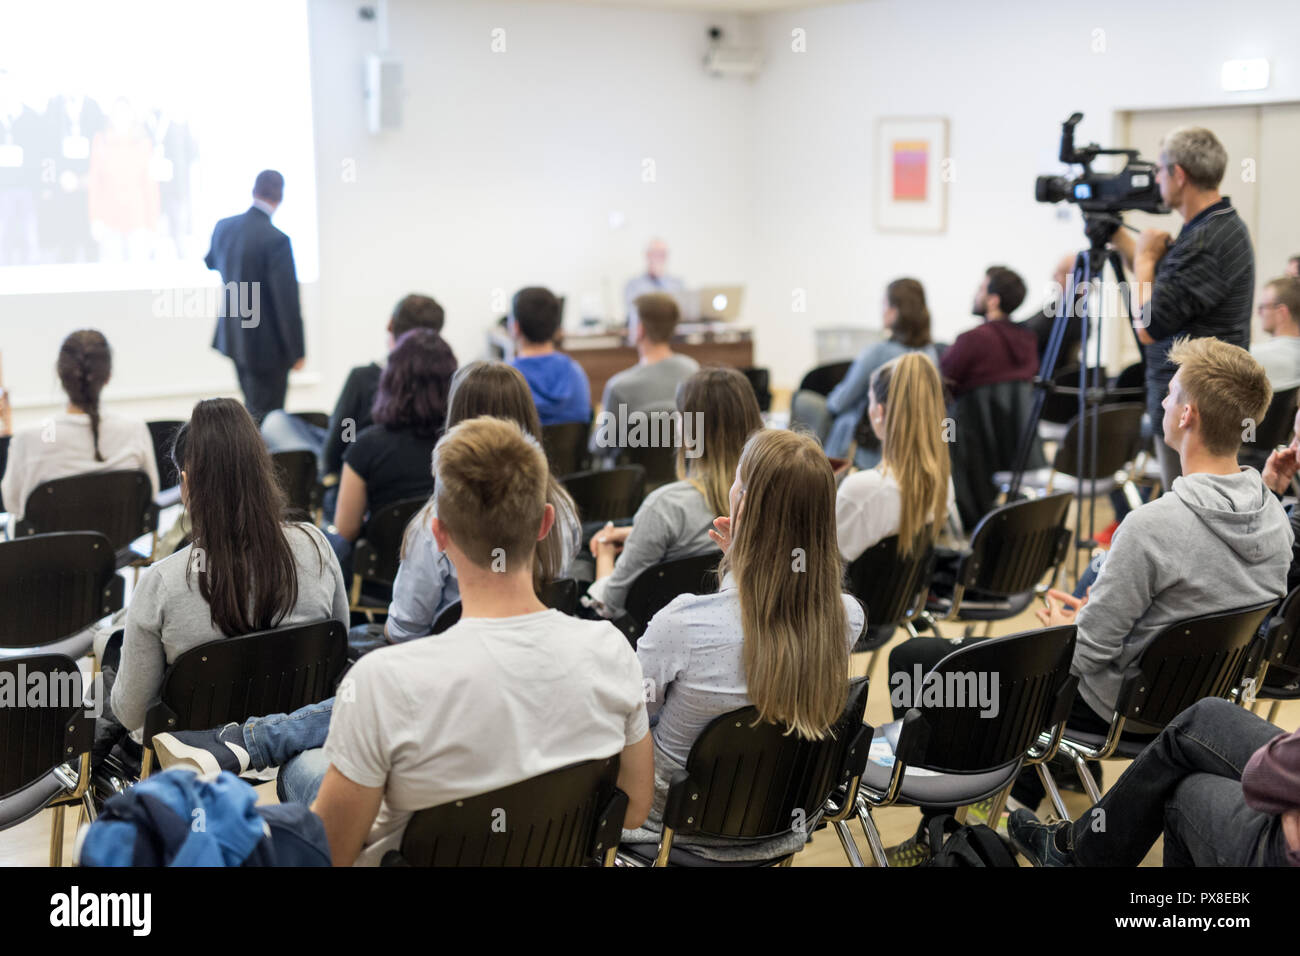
x,y
1133,187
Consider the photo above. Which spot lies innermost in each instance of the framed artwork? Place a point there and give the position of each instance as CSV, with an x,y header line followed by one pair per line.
x,y
911,191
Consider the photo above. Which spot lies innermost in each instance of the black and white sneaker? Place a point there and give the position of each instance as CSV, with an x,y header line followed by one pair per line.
x,y
207,751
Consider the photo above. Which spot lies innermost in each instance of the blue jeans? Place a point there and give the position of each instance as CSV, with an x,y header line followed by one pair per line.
x,y
293,743
284,432
1187,784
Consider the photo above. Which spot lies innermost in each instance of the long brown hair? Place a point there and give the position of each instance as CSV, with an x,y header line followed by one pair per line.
x,y
914,452
245,566
786,561
725,399
912,327
497,390
85,363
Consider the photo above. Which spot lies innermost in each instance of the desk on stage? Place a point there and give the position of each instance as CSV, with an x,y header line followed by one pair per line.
x,y
605,354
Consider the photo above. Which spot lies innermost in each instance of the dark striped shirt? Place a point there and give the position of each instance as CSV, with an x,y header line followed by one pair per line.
x,y
1204,287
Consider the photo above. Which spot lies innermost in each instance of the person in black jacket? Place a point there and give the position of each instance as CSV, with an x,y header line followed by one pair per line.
x,y
260,323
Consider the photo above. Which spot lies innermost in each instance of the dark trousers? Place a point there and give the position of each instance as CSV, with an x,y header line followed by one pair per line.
x,y
264,389
1187,784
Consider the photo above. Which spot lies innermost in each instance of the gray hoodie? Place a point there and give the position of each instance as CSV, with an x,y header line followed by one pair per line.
x,y
1217,543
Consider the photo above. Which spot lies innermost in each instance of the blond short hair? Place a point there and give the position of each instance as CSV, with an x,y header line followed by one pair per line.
x,y
1227,384
490,486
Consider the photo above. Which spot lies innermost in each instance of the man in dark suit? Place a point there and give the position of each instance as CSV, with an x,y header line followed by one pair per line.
x,y
260,323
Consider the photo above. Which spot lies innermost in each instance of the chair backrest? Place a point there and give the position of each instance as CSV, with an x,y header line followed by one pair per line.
x,y
1061,404
606,495
890,585
163,433
750,779
567,817
990,420
43,731
1119,434
824,378
1186,662
318,419
233,679
377,552
1135,376
655,587
994,698
658,453
1274,430
296,472
560,595
1014,546
566,446
53,585
808,413
760,382
117,504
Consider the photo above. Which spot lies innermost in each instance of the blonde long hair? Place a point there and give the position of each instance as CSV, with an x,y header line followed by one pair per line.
x,y
914,451
787,567
725,399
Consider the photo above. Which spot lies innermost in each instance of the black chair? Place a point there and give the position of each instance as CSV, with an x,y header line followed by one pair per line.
x,y
296,472
1119,437
268,672
163,433
1274,430
1133,377
377,552
4,461
824,378
1061,404
566,447
559,595
117,504
1279,666
45,747
606,495
660,464
760,381
989,422
1011,550
973,749
318,419
656,587
749,780
567,817
1203,657
891,587
52,588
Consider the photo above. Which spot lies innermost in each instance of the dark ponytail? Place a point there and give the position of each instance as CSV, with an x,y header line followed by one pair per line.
x,y
85,362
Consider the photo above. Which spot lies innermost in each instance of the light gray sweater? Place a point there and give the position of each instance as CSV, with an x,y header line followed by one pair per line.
x,y
1214,544
168,616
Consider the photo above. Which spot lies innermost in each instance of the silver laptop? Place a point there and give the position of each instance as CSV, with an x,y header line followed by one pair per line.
x,y
720,303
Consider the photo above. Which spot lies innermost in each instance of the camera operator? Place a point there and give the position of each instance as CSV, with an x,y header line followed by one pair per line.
x,y
1201,284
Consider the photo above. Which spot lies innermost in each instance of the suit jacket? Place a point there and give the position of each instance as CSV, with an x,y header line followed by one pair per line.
x,y
261,326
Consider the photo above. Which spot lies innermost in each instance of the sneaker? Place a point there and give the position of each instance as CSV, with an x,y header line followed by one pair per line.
x,y
911,852
979,813
207,751
1037,841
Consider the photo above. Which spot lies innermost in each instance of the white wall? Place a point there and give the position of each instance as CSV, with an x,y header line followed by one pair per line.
x,y
1005,73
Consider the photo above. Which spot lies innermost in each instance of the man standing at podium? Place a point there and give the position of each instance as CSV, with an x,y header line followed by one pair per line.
x,y
654,279
260,325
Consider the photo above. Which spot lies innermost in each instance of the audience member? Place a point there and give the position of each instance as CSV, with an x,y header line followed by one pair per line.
x,y
997,350
559,385
1279,313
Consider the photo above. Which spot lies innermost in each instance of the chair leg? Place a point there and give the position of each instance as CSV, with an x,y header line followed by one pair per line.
x,y
846,841
999,804
871,662
88,813
146,763
1272,711
872,834
1085,778
1054,794
56,837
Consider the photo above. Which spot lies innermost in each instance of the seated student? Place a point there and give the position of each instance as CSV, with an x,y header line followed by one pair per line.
x,y
1278,473
285,432
389,461
776,635
247,570
426,579
674,521
512,691
1221,784
651,384
1279,313
559,385
910,492
997,350
83,439
907,319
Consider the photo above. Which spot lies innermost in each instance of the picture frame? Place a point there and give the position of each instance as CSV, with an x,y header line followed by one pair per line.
x,y
911,174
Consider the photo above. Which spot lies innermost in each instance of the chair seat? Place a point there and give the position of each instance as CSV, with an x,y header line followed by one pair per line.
x,y
1037,480
29,801
679,856
1127,749
975,609
925,788
76,646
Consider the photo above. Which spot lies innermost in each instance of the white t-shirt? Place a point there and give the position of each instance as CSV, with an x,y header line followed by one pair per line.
x,y
1280,357
867,508
62,446
487,703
